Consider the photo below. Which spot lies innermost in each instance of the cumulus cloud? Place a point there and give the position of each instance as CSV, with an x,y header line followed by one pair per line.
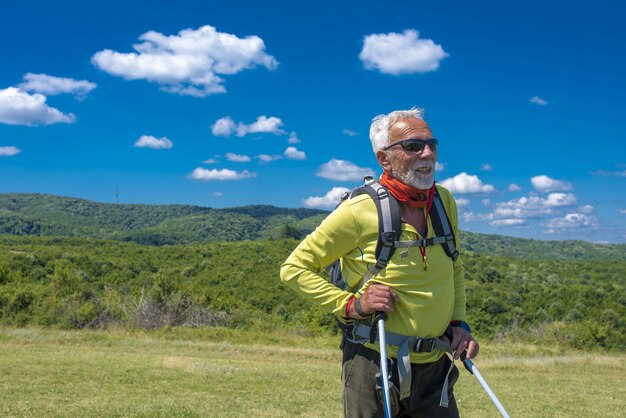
x,y
189,63
462,202
531,207
237,158
571,221
226,126
223,127
210,161
486,167
293,153
466,183
613,173
587,209
224,174
546,184
50,85
401,53
329,200
293,138
9,151
349,132
439,166
507,222
514,188
486,202
538,100
18,107
266,158
149,141
343,171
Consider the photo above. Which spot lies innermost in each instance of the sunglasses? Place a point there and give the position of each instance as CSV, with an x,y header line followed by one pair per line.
x,y
415,145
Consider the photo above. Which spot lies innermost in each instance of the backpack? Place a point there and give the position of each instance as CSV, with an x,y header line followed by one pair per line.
x,y
389,228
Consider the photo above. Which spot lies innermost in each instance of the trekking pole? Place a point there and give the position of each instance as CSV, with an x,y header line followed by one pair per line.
x,y
469,365
380,319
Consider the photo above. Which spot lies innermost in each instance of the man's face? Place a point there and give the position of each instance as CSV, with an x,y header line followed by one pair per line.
x,y
416,169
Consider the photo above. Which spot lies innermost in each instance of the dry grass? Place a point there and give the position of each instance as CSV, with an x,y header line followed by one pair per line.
x,y
62,374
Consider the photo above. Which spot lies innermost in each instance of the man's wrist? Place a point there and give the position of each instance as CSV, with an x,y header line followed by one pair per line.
x,y
461,324
359,309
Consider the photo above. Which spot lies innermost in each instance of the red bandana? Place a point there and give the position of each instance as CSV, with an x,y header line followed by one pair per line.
x,y
417,198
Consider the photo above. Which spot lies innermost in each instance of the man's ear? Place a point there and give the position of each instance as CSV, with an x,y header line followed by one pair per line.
x,y
383,160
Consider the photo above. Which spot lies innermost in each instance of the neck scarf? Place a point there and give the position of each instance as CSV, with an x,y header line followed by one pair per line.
x,y
417,198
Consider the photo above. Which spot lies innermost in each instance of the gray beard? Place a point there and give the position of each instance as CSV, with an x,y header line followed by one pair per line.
x,y
413,178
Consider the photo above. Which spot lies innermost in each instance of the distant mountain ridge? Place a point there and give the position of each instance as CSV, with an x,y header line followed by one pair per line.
x,y
50,215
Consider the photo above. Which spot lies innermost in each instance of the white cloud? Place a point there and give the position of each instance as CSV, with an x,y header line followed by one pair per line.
x,y
343,171
329,200
148,141
466,183
571,221
439,166
514,188
538,100
507,222
20,108
223,127
50,85
486,202
401,53
226,126
622,211
265,158
546,184
237,158
462,202
224,174
293,153
293,138
187,63
9,151
210,161
531,207
560,199
606,173
349,132
486,167
587,209
218,194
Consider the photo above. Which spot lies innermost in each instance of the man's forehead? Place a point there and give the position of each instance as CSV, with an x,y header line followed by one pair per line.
x,y
410,126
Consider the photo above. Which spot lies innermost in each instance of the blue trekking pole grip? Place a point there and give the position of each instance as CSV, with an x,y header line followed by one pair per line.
x,y
380,319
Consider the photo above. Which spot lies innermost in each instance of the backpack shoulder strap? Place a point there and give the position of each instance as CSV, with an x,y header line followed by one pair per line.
x,y
389,224
443,227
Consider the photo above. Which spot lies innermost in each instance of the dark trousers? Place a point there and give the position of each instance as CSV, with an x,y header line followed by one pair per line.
x,y
360,400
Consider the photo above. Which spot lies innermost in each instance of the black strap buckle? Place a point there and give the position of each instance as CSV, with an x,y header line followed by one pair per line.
x,y
424,345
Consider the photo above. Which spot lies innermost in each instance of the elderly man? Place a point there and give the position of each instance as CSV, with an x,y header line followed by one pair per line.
x,y
421,290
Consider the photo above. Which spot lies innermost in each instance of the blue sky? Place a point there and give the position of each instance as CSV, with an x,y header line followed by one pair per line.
x,y
225,104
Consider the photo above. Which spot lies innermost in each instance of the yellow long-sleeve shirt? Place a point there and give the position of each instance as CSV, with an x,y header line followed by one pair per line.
x,y
428,300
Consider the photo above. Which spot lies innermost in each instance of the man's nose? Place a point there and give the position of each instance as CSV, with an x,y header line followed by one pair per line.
x,y
427,152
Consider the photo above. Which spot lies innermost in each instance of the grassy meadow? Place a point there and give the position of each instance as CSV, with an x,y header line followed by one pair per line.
x,y
217,372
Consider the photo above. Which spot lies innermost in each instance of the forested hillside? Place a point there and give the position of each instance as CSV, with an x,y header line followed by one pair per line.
x,y
82,282
48,215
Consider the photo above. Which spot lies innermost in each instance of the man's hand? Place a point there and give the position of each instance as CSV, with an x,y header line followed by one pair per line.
x,y
376,298
462,341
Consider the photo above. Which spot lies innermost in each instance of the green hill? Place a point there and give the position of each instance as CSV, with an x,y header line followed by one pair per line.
x,y
48,215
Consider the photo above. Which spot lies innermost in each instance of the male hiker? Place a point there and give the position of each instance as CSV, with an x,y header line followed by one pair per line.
x,y
421,289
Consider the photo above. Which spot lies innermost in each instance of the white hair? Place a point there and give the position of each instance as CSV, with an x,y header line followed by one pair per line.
x,y
379,129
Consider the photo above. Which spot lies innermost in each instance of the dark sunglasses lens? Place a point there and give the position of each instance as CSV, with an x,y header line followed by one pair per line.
x,y
416,145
